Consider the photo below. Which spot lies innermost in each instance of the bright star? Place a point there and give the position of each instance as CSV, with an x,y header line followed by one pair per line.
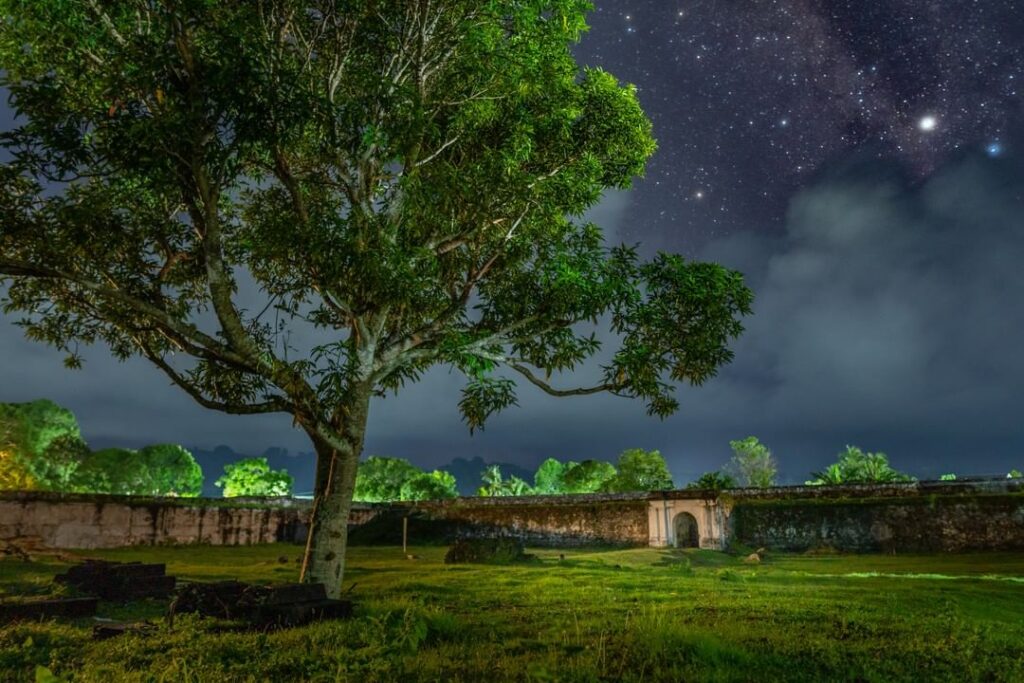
x,y
928,123
994,149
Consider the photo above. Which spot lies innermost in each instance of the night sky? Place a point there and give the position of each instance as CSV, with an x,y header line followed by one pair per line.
x,y
860,162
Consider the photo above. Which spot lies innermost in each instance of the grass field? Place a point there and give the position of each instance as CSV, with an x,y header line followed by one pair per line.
x,y
630,615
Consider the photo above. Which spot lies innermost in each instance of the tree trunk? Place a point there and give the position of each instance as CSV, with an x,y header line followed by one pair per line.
x,y
324,561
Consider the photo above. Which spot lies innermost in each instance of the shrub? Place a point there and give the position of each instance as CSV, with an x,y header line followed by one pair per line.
x,y
486,551
713,481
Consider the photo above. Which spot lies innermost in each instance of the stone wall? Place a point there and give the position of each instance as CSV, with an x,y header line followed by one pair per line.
x,y
619,520
918,517
926,516
92,521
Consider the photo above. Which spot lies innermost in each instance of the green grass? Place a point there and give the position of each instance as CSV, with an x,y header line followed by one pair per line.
x,y
631,615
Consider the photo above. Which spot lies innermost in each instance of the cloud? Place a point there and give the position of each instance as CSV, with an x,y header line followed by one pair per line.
x,y
890,310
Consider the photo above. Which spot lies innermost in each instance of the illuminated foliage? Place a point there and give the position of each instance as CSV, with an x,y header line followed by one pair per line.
x,y
161,470
713,481
40,446
548,478
436,485
380,479
494,484
253,477
857,467
640,470
753,463
588,476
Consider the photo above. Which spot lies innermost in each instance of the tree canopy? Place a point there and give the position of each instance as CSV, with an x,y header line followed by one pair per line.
x,y
41,446
380,479
588,476
160,470
254,477
640,470
858,467
397,184
752,463
713,481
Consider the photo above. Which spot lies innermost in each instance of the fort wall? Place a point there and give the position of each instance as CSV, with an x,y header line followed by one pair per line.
x,y
917,517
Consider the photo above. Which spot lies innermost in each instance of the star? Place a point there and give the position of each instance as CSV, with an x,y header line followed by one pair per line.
x,y
928,123
994,149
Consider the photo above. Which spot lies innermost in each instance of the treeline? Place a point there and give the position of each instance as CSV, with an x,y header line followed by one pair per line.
x,y
384,479
753,466
41,449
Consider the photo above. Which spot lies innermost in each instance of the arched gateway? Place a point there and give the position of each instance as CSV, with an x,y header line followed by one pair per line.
x,y
687,535
687,519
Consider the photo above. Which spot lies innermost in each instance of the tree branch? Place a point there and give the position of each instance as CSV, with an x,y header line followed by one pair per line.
x,y
548,389
18,268
274,405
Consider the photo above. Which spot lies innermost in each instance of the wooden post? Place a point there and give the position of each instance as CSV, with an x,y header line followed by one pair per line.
x,y
405,533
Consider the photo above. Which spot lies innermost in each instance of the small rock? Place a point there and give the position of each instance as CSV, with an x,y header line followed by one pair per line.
x,y
412,557
282,560
752,558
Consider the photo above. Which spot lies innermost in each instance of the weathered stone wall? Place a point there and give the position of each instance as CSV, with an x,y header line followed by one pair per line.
x,y
544,520
92,521
919,517
927,516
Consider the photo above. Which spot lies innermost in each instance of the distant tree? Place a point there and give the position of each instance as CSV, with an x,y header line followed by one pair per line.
x,y
589,476
713,481
1015,474
491,481
640,470
549,478
253,477
947,477
161,470
41,446
857,467
436,485
494,484
380,479
752,463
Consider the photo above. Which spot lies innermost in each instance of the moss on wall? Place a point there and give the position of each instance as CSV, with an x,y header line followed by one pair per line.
x,y
925,523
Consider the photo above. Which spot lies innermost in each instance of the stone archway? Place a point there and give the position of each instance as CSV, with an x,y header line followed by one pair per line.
x,y
686,534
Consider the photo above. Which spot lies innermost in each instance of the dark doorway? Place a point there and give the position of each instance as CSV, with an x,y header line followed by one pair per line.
x,y
687,535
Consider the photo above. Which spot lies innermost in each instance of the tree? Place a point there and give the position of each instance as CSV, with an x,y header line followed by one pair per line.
x,y
436,485
495,485
589,476
713,481
161,470
1014,474
380,479
403,177
753,463
857,467
41,446
640,470
253,477
549,478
